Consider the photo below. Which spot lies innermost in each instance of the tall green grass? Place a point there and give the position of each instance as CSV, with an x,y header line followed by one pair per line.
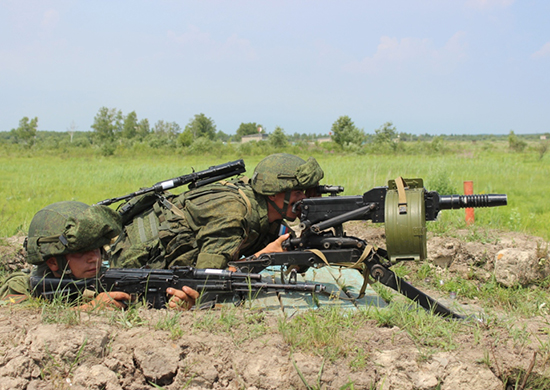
x,y
30,182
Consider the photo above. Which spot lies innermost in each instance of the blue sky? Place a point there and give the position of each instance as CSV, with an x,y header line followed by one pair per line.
x,y
428,66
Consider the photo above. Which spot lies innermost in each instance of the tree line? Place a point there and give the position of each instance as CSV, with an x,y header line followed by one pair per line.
x,y
111,130
110,125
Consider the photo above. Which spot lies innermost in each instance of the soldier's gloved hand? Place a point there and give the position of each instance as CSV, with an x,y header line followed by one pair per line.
x,y
183,299
107,300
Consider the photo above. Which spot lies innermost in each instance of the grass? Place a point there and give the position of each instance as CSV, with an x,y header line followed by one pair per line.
x,y
59,313
170,322
519,300
322,332
128,318
326,332
318,385
243,323
30,182
428,331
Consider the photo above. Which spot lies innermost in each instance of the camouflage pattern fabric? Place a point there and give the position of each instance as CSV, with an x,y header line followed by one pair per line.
x,y
219,225
281,172
16,283
70,227
59,229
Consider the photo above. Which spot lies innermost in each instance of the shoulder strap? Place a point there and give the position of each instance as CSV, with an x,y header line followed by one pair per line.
x,y
172,207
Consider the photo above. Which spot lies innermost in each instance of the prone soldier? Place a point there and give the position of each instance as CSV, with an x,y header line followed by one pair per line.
x,y
209,226
66,241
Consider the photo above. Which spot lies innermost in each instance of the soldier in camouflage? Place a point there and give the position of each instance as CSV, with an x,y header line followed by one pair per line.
x,y
208,226
66,240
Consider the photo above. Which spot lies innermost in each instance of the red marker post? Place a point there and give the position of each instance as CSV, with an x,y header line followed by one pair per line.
x,y
469,190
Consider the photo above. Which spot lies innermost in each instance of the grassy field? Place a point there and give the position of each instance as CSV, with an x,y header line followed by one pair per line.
x,y
29,182
515,319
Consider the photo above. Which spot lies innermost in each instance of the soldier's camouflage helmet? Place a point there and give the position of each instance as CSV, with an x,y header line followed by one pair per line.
x,y
70,227
281,172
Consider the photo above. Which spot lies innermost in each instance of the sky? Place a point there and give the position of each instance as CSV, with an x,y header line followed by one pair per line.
x,y
427,66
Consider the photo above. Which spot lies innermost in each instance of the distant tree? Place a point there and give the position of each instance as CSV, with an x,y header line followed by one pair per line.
x,y
278,138
143,129
26,132
185,139
308,137
437,144
386,135
248,129
407,136
201,126
168,130
514,143
220,135
71,130
201,145
345,132
130,126
107,124
297,137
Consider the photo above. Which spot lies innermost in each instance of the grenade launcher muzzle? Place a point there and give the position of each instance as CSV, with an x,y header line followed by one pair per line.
x,y
404,206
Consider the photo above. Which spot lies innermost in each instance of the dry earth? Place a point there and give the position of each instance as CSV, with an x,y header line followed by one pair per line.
x,y
240,349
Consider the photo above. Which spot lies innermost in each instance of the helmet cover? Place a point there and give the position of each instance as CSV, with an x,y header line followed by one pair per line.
x,y
70,227
281,172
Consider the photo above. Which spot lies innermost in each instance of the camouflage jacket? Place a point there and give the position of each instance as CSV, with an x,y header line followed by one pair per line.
x,y
205,227
18,283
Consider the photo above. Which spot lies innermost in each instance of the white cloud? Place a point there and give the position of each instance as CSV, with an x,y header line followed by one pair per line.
x,y
201,43
412,52
544,51
486,4
391,50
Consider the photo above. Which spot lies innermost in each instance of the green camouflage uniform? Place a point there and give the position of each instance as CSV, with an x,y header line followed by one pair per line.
x,y
211,225
16,283
57,230
220,222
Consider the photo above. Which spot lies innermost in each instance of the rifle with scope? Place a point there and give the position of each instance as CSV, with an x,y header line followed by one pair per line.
x,y
403,206
194,179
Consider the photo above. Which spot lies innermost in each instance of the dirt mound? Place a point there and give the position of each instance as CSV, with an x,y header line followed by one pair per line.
x,y
12,254
56,348
109,351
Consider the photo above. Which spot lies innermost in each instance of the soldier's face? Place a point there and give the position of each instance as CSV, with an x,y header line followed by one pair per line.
x,y
295,196
84,264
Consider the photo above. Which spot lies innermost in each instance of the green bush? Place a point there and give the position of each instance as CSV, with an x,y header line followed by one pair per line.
x,y
441,183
